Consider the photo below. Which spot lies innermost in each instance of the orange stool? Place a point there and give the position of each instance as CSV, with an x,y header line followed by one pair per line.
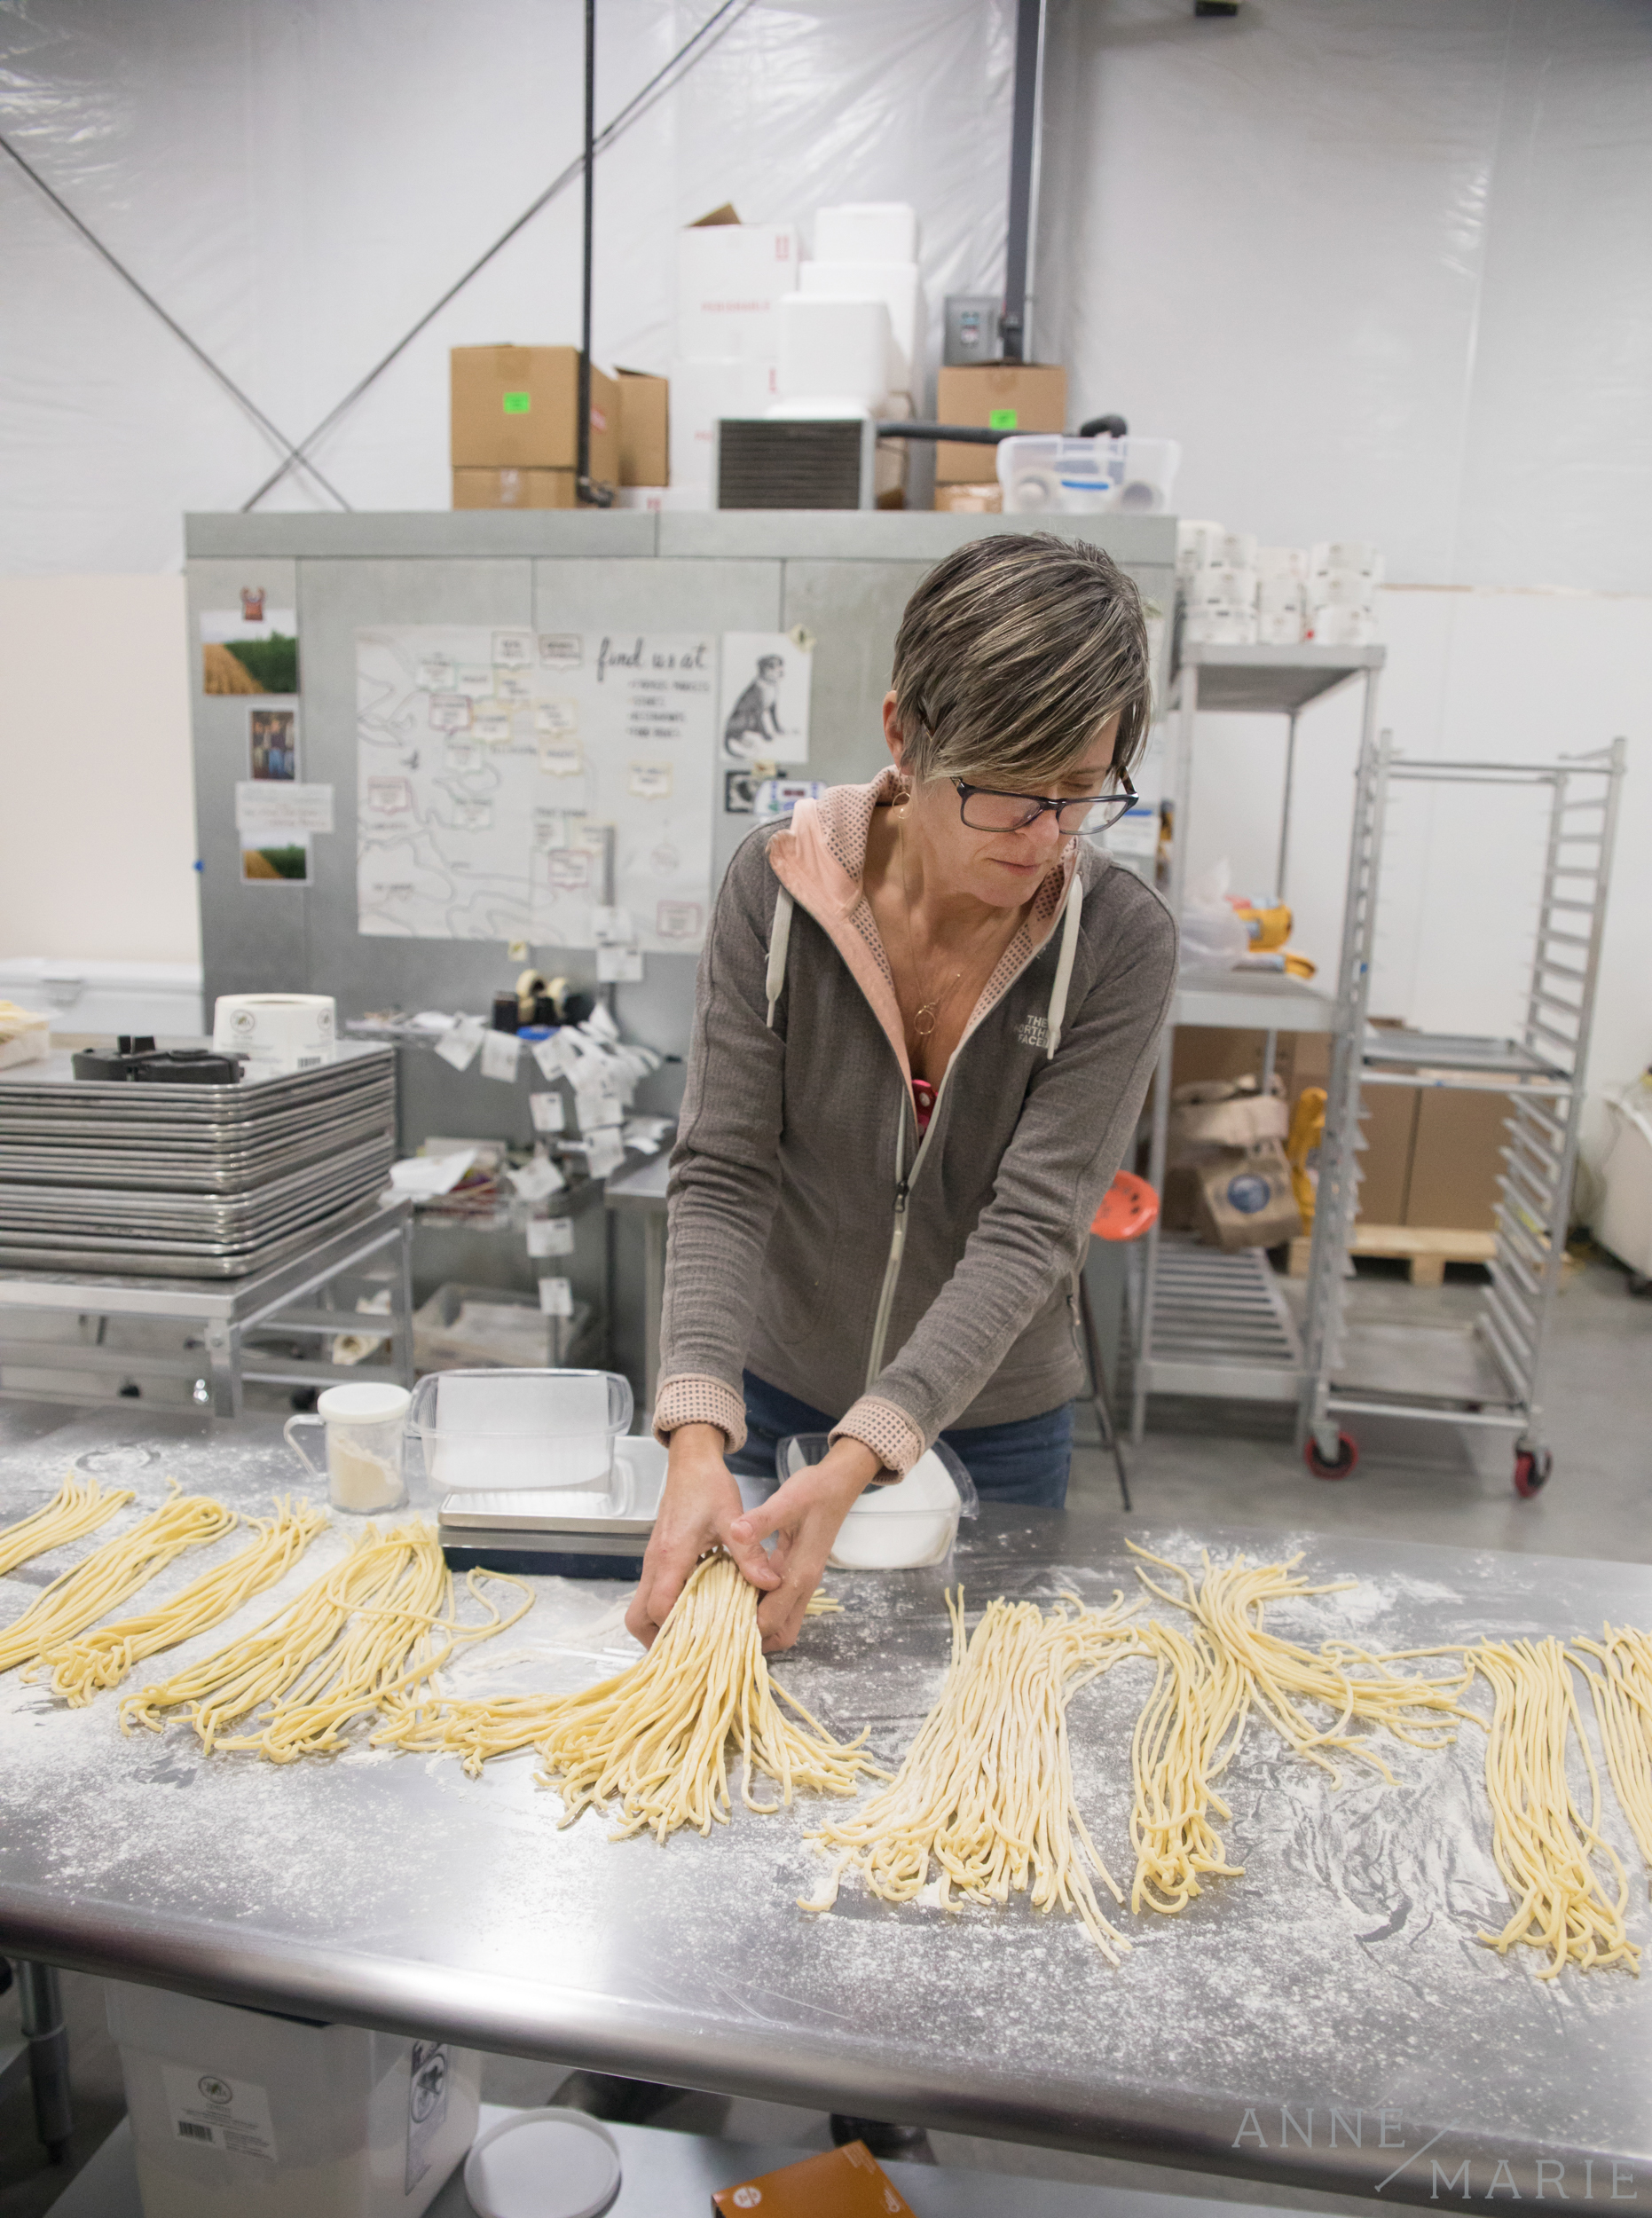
x,y
1128,1208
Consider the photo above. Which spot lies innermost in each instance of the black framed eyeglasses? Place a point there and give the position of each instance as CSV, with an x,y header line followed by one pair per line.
x,y
984,809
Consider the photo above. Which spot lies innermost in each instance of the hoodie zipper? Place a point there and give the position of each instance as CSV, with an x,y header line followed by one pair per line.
x,y
898,1236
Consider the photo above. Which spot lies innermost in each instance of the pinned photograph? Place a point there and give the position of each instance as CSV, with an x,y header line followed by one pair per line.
x,y
272,743
250,649
763,712
740,792
288,864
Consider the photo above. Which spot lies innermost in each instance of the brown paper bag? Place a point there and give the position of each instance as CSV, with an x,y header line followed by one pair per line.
x,y
1246,1199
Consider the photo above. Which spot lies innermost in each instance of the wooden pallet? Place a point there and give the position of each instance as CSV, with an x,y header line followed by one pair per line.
x,y
1427,1248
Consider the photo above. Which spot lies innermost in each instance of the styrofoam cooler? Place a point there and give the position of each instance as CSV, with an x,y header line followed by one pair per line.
x,y
702,391
866,231
896,285
837,349
239,2114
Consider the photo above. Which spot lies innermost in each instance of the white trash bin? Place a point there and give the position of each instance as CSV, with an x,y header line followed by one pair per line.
x,y
239,2114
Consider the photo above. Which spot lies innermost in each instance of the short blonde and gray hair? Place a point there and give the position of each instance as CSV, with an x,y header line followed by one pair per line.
x,y
1012,655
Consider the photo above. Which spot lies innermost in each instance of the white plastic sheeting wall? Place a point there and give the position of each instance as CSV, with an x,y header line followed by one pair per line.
x,y
298,184
1383,266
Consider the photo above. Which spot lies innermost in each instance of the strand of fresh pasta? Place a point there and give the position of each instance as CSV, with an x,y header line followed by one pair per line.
x,y
353,1641
1550,1855
111,1572
1622,1693
659,1736
1355,1684
79,1507
103,1658
986,1792
1186,1732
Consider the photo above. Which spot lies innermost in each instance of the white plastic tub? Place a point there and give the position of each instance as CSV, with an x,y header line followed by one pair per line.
x,y
484,1431
897,1527
238,2115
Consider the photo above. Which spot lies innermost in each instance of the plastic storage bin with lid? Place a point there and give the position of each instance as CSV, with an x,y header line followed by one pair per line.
x,y
1051,473
240,2114
484,1431
897,1527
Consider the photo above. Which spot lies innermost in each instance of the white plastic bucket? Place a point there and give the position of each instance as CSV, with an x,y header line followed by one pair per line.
x,y
238,2115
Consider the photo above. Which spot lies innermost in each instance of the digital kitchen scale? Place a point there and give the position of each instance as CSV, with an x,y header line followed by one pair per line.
x,y
565,1532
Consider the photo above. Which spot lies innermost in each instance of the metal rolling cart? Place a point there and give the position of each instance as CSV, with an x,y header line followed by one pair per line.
x,y
1485,1375
1203,1323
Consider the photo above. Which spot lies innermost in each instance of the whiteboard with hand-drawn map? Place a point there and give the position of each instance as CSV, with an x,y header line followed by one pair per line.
x,y
490,762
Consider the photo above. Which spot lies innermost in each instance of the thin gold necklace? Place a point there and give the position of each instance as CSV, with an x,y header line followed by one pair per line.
x,y
928,1008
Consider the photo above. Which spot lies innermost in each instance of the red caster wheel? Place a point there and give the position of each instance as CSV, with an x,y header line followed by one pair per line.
x,y
1346,1457
1532,1467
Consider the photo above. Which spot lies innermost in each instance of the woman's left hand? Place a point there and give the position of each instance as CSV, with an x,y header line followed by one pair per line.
x,y
804,1513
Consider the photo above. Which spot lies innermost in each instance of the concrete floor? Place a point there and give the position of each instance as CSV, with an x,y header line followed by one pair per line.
x,y
1200,1460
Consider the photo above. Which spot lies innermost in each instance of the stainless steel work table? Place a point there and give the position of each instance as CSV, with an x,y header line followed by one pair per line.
x,y
1330,2020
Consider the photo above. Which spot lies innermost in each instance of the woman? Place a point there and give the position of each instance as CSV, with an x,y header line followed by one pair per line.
x,y
925,1022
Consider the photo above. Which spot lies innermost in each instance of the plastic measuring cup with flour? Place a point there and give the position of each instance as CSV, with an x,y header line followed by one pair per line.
x,y
365,1446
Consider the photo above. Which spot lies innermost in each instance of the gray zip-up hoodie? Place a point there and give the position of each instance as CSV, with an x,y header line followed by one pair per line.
x,y
813,1239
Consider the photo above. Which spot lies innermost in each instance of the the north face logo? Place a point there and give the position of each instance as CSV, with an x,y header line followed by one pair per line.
x,y
1032,1032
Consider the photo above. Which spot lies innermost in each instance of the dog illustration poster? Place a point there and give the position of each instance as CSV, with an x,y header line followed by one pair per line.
x,y
763,713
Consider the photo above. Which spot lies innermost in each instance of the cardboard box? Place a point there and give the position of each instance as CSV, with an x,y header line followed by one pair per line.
x,y
1457,1159
513,489
644,429
847,2182
970,500
998,397
1388,1122
700,393
731,278
517,408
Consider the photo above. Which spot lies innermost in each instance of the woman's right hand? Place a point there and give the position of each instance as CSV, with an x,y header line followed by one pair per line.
x,y
700,1504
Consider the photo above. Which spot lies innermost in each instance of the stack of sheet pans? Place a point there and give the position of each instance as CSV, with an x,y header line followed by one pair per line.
x,y
198,1182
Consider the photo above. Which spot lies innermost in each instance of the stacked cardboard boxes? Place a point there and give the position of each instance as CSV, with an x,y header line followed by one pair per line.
x,y
731,278
997,396
516,439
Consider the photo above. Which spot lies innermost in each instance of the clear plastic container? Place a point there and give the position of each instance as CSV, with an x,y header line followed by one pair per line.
x,y
1047,472
895,1527
484,1431
1147,479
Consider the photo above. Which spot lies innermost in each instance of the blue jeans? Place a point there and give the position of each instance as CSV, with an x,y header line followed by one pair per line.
x,y
1024,1462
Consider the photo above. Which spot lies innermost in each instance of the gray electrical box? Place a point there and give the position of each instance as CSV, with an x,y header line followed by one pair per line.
x,y
972,331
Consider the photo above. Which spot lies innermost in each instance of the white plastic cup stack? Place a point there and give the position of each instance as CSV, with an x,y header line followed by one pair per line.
x,y
1343,577
1282,595
1220,585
